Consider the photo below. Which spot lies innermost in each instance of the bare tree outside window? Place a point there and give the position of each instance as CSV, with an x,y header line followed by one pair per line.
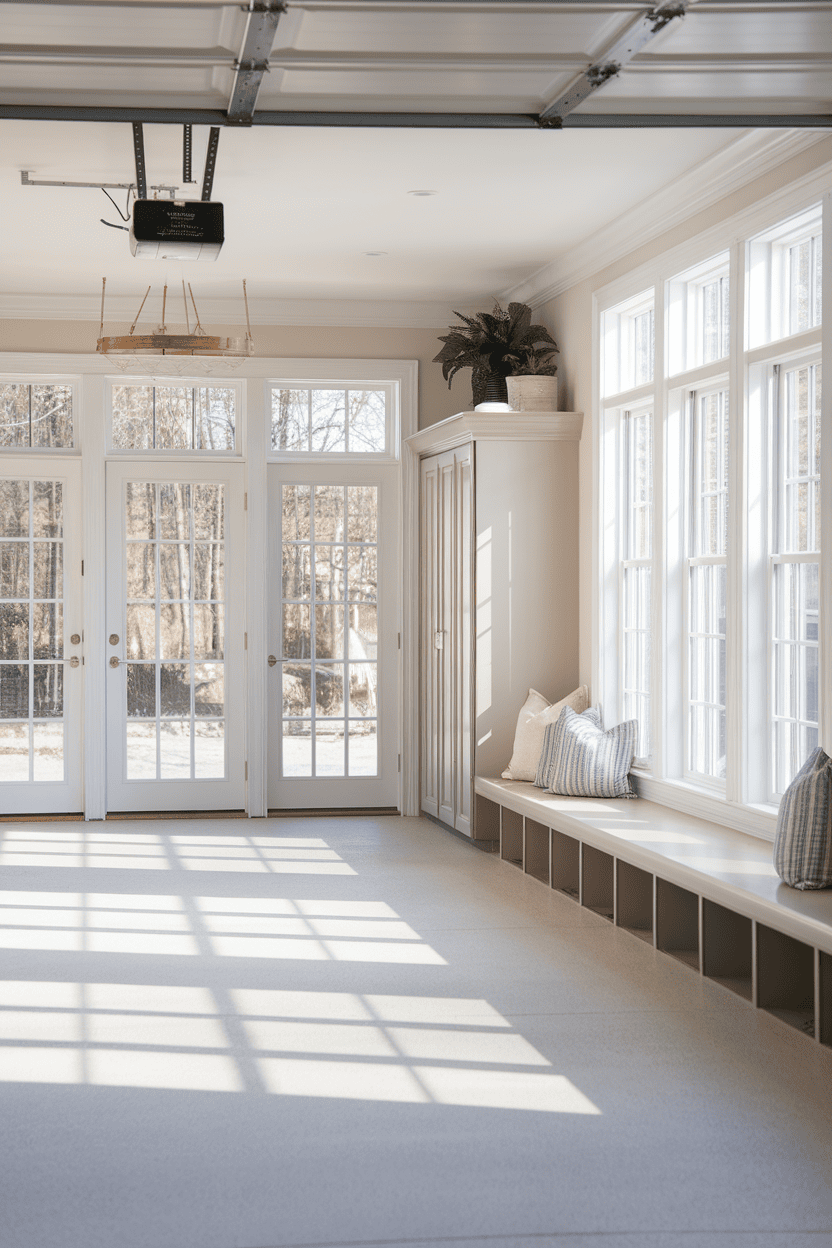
x,y
166,418
37,416
327,420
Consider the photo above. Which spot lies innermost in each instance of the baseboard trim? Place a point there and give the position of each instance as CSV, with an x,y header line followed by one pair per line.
x,y
334,812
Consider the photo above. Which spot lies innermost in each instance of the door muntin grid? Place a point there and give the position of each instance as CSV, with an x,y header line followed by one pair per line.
x,y
329,631
174,631
32,595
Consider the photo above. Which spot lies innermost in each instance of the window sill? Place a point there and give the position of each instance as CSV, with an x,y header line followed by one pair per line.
x,y
755,819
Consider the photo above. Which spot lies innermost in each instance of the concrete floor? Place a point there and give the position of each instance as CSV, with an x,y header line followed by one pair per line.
x,y
366,1032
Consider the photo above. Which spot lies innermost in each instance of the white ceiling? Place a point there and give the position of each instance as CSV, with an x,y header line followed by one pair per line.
x,y
304,205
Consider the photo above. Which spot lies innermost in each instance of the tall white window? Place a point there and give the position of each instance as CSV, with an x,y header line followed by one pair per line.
x,y
709,487
794,569
706,577
636,572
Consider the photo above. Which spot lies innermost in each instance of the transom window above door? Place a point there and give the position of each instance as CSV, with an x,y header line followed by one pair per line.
x,y
331,419
189,417
36,416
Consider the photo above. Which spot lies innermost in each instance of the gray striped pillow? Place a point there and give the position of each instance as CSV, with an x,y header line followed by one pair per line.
x,y
585,761
803,841
544,763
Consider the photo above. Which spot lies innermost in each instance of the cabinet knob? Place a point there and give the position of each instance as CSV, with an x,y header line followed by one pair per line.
x,y
74,661
75,639
114,661
113,639
272,660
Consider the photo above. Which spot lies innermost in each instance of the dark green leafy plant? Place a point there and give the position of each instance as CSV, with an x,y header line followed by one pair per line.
x,y
496,345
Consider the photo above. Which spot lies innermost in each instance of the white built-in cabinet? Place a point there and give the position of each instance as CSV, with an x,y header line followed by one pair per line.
x,y
498,610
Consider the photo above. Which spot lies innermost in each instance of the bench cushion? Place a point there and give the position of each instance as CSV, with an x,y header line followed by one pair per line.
x,y
803,842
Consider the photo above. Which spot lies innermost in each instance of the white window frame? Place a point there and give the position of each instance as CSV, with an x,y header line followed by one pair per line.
x,y
627,561
693,559
184,452
778,553
342,377
746,803
31,378
685,314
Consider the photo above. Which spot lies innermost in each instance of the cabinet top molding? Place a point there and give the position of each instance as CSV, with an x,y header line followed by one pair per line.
x,y
497,426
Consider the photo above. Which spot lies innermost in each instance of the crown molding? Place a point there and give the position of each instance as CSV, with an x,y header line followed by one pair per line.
x,y
491,426
346,313
747,157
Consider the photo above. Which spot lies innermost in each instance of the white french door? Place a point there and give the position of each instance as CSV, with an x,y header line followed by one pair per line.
x,y
175,624
334,669
41,637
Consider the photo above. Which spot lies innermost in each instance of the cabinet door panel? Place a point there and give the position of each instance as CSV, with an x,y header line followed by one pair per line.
x,y
447,638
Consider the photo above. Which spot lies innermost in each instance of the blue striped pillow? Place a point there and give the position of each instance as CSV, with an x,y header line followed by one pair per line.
x,y
585,761
544,763
803,841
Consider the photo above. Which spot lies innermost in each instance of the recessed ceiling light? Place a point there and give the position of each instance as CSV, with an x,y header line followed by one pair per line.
x,y
375,253
422,194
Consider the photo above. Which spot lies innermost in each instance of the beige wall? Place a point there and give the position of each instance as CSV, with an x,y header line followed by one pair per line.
x,y
322,342
569,317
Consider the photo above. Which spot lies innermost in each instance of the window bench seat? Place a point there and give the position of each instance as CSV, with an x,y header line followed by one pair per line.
x,y
701,893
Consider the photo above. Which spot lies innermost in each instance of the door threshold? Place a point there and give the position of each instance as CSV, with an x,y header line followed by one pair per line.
x,y
176,814
51,818
334,812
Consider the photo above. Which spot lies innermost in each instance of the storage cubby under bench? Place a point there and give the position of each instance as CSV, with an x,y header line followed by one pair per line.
x,y
701,893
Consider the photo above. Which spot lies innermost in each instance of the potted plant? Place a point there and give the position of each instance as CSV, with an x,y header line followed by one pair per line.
x,y
495,345
533,384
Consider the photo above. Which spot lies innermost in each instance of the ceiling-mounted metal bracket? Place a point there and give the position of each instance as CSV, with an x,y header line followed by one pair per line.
x,y
622,51
251,67
253,61
138,152
187,153
25,180
210,162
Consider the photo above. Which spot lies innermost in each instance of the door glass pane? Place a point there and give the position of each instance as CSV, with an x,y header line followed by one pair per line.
x,y
169,636
31,627
330,620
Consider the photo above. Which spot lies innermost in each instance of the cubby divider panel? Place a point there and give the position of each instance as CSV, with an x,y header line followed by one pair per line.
x,y
825,1003
511,837
726,948
566,864
635,900
597,881
677,922
786,978
487,819
536,858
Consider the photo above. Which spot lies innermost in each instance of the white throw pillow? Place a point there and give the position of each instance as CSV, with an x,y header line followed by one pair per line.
x,y
532,723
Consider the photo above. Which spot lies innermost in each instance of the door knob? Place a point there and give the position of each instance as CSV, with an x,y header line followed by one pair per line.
x,y
114,661
272,660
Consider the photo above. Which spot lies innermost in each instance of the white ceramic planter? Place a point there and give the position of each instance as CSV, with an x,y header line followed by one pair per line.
x,y
533,394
